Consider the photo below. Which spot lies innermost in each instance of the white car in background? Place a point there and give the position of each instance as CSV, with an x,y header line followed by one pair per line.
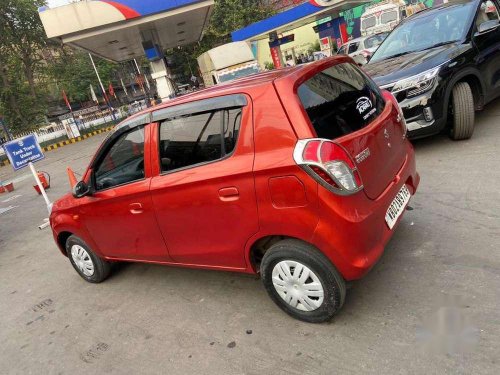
x,y
361,49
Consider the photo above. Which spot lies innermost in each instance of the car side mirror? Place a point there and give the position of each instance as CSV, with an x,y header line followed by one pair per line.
x,y
81,190
487,26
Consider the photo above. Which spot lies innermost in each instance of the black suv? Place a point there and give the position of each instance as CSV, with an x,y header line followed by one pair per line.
x,y
442,64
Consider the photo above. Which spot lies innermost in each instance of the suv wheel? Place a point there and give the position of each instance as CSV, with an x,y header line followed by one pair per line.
x,y
302,281
463,112
88,265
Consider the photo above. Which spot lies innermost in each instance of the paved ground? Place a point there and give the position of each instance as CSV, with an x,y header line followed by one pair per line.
x,y
152,319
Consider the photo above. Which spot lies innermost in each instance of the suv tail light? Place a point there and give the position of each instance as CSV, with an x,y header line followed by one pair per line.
x,y
401,119
329,164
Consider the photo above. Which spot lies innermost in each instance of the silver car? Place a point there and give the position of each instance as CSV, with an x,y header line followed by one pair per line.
x,y
361,49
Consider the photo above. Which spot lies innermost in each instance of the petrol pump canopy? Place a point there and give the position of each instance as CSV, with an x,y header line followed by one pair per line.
x,y
115,30
301,15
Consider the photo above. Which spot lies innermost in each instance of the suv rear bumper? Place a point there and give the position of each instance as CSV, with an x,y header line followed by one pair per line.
x,y
352,230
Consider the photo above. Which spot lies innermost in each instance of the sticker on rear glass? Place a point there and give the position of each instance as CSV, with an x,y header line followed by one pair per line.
x,y
364,105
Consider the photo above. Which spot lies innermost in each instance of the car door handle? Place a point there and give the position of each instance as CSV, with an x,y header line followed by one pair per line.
x,y
136,208
229,194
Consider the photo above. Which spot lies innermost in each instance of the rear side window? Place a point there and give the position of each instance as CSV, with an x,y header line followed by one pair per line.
x,y
340,100
199,138
342,50
353,47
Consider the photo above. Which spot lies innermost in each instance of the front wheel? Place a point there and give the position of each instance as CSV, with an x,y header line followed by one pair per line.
x,y
302,281
88,265
462,107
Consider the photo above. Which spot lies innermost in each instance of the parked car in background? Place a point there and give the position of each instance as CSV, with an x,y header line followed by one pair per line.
x,y
442,65
300,174
361,49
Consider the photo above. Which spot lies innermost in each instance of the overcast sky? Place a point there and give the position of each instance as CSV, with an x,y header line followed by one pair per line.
x,y
55,3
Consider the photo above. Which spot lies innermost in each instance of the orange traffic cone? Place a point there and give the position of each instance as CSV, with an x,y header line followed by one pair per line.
x,y
72,178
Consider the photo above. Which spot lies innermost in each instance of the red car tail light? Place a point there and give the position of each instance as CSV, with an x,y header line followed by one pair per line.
x,y
401,118
329,164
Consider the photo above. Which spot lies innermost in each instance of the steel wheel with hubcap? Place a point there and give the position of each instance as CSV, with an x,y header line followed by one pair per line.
x,y
298,285
88,265
82,260
302,281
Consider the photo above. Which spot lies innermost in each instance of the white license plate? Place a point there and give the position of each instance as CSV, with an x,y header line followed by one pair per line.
x,y
397,207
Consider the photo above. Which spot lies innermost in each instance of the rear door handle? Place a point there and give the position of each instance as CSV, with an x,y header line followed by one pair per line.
x,y
229,194
136,208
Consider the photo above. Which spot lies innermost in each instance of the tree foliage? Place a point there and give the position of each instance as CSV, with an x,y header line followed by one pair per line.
x,y
34,70
227,16
72,71
22,42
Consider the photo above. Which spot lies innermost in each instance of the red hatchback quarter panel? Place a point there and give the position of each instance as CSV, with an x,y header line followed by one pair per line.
x,y
286,195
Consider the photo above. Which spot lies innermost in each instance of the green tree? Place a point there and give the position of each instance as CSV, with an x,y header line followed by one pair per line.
x,y
231,15
22,42
227,16
73,72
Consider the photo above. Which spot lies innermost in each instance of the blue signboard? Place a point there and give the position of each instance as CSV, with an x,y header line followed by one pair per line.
x,y
22,151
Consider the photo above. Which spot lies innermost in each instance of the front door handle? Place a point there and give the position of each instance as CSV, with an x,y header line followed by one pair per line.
x,y
229,194
136,208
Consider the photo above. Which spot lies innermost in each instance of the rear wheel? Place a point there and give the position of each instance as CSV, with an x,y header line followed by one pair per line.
x,y
462,107
302,281
88,265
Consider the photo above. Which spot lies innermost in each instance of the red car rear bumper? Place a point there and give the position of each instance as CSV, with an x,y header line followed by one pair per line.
x,y
352,230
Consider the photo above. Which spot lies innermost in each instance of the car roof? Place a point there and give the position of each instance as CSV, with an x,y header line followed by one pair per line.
x,y
226,88
290,75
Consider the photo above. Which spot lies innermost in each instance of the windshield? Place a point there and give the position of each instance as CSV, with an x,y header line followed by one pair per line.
x,y
390,16
375,40
229,76
368,22
340,100
425,31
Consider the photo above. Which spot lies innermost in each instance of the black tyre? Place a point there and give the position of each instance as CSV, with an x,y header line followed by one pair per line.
x,y
462,107
88,265
302,281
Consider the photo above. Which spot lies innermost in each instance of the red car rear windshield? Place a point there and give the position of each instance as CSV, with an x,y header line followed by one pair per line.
x,y
340,100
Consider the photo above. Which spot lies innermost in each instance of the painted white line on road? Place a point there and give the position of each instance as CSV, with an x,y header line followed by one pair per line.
x,y
4,210
17,179
21,178
12,198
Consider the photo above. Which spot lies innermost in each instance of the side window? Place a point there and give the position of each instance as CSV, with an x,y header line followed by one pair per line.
x,y
342,50
353,47
198,138
487,12
124,161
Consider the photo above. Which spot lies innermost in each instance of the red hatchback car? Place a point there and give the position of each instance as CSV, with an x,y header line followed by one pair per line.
x,y
300,175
